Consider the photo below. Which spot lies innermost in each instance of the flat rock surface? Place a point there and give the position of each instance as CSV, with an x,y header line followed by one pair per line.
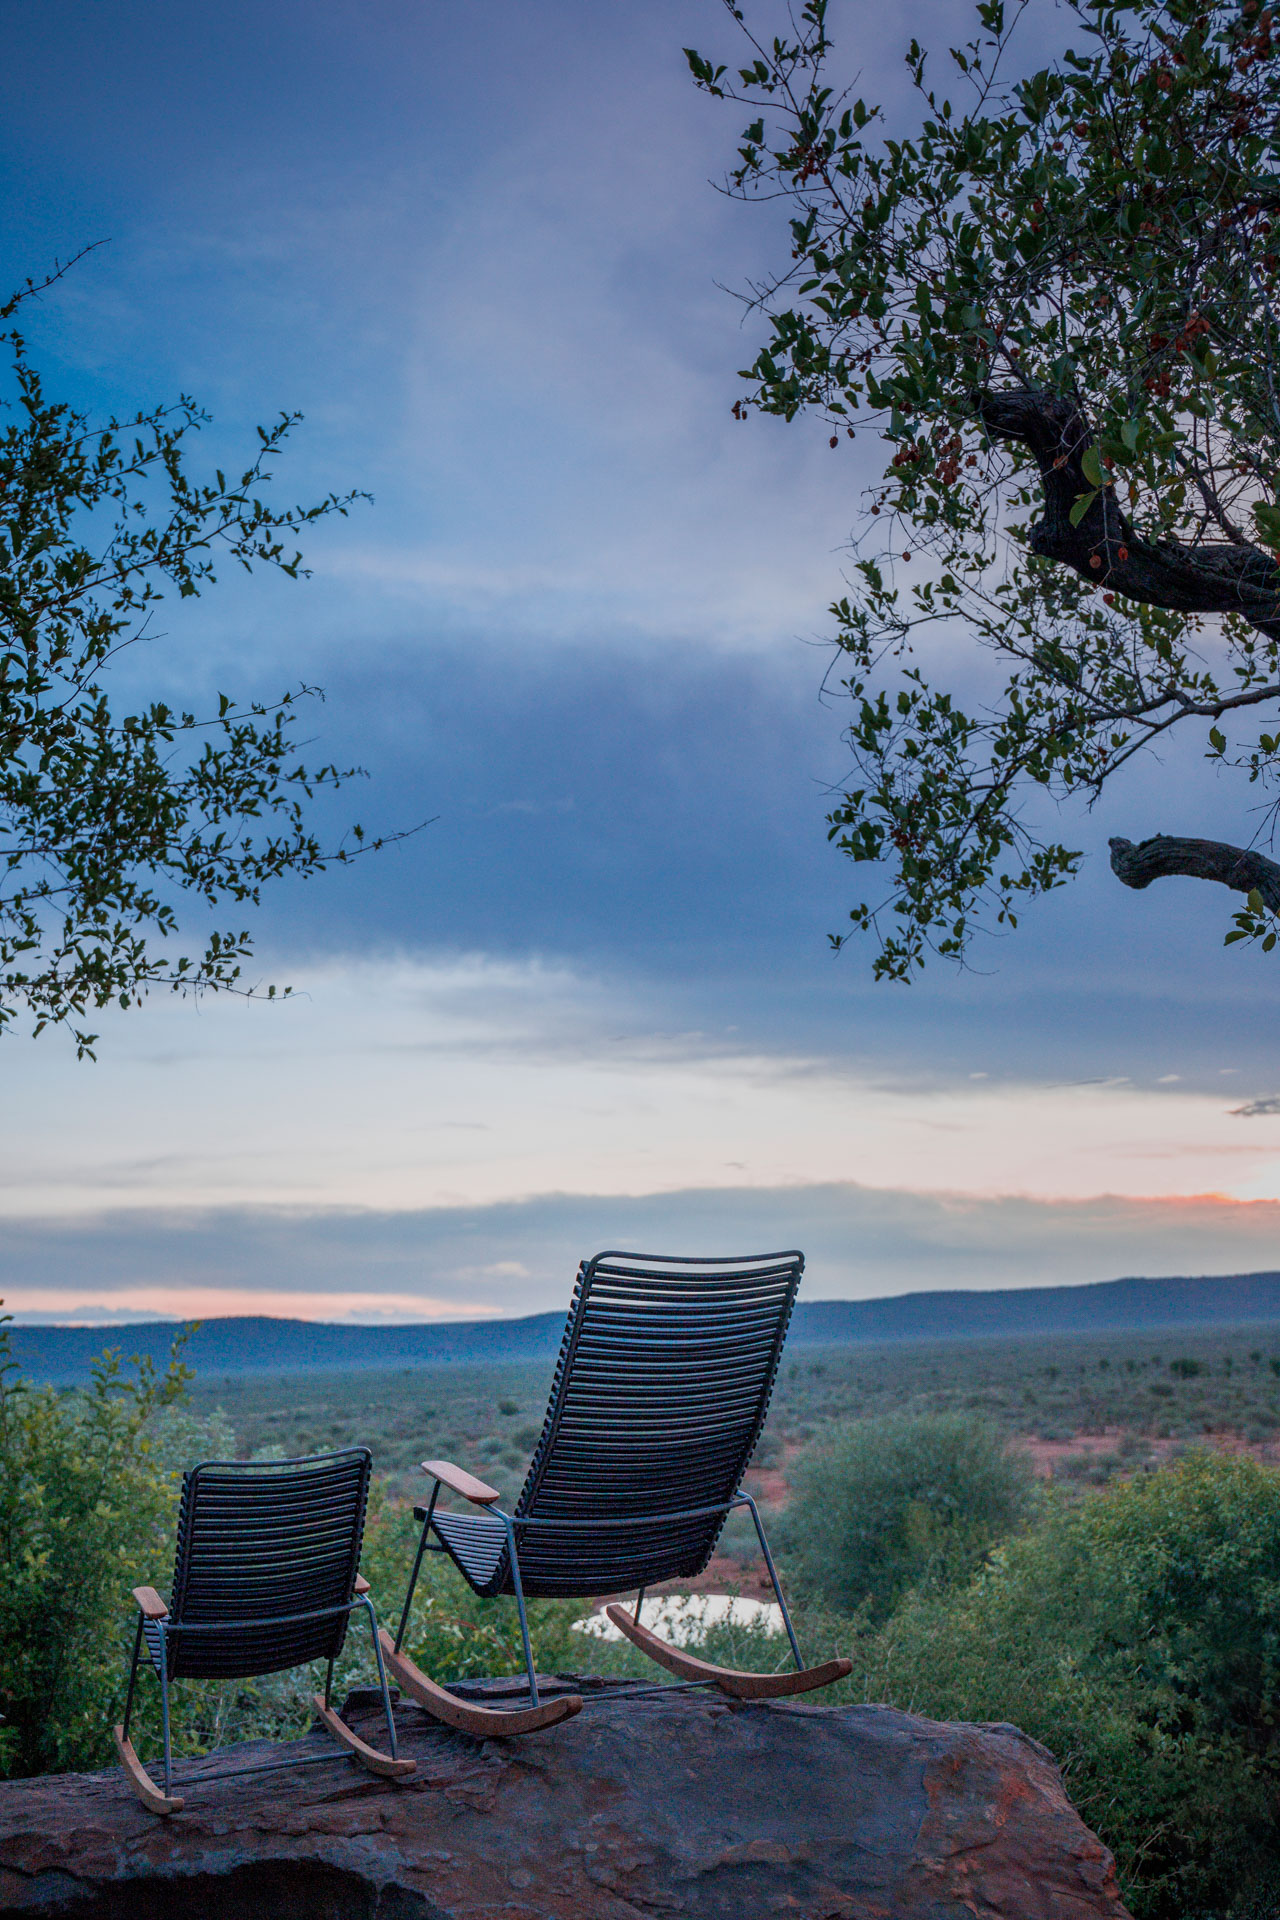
x,y
664,1805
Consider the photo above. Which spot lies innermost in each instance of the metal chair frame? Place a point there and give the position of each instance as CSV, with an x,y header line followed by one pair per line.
x,y
167,1629
512,1521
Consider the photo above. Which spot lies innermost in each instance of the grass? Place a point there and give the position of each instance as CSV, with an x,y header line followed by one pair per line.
x,y
1090,1407
1157,1386
1126,1397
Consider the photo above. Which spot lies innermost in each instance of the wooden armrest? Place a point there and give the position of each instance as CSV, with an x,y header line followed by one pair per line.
x,y
362,1585
459,1481
150,1603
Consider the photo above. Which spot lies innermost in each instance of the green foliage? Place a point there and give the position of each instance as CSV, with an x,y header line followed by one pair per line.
x,y
913,1501
1094,238
1137,1634
104,814
86,1513
1254,921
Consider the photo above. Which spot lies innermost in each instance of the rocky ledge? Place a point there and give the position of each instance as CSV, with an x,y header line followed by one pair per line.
x,y
659,1805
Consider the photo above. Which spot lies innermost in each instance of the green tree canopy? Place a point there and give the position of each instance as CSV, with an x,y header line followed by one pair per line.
x,y
1057,301
107,817
1136,1632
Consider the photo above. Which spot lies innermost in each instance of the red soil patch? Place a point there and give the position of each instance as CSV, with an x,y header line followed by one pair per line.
x,y
1045,1454
768,1485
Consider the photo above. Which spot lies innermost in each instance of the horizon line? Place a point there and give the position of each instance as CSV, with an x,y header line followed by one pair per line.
x,y
153,1322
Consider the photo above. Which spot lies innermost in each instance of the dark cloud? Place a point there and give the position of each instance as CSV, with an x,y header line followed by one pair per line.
x,y
659,812
520,1257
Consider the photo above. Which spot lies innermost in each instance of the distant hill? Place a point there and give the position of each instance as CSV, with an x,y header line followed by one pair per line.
x,y
1101,1306
255,1344
259,1345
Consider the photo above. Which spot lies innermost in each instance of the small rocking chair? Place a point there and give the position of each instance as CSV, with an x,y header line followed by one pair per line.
x,y
660,1392
266,1577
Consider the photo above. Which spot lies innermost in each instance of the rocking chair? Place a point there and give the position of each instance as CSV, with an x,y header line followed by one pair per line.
x,y
265,1578
659,1395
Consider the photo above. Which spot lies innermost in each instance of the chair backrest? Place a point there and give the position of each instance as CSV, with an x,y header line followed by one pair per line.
x,y
660,1392
257,1541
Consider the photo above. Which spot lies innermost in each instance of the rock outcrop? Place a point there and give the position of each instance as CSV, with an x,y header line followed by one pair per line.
x,y
675,1804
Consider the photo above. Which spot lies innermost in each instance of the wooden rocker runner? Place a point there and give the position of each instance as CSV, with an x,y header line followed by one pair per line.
x,y
266,1577
661,1389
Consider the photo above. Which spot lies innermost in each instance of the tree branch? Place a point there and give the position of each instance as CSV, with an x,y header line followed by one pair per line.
x,y
1240,868
1215,577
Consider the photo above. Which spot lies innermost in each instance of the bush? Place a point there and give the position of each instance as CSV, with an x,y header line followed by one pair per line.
x,y
86,1514
1136,1632
912,1500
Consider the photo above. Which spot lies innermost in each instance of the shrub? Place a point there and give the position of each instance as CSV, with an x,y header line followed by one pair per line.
x,y
1136,1632
907,1501
86,1513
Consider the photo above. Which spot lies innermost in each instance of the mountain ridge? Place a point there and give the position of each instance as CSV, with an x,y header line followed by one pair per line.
x,y
257,1344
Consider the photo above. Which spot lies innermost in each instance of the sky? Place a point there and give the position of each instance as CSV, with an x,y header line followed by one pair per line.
x,y
582,631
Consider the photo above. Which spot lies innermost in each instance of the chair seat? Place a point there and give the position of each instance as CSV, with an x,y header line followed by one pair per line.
x,y
574,1564
476,1542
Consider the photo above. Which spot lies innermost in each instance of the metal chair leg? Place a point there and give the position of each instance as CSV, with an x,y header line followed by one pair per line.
x,y
133,1678
164,1712
639,1603
524,1620
382,1679
773,1575
417,1566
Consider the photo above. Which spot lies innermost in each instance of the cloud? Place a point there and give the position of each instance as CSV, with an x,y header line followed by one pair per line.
x,y
185,1300
520,1257
409,1083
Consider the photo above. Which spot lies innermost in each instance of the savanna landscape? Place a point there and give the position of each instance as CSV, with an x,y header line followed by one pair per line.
x,y
949,957
1080,1537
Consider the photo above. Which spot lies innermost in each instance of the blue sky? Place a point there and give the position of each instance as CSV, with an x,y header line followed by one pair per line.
x,y
582,627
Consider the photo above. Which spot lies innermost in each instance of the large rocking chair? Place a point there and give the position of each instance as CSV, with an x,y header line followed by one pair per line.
x,y
266,1577
660,1392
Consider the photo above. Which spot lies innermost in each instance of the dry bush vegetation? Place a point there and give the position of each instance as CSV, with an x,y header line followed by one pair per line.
x,y
1086,1406
1123,1607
